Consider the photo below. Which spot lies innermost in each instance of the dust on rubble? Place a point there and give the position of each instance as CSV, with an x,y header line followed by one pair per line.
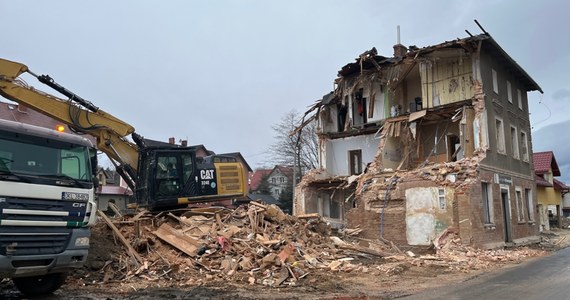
x,y
257,252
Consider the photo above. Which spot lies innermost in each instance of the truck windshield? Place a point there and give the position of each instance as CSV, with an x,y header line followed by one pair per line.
x,y
44,157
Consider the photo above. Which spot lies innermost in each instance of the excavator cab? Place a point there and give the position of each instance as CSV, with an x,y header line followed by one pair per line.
x,y
171,177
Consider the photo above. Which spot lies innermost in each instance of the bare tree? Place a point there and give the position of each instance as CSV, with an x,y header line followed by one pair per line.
x,y
299,149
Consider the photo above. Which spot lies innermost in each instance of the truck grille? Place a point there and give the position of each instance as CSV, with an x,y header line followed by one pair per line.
x,y
28,241
36,226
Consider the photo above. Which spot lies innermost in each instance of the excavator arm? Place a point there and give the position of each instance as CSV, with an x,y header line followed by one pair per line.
x,y
79,114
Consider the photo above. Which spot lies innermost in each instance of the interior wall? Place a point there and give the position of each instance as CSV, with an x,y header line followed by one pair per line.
x,y
337,160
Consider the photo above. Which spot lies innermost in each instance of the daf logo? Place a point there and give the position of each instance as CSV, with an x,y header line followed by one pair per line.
x,y
78,204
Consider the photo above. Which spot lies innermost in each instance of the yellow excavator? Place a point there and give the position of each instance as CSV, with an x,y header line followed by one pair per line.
x,y
161,175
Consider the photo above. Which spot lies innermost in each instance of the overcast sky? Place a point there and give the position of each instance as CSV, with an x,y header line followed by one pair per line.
x,y
221,73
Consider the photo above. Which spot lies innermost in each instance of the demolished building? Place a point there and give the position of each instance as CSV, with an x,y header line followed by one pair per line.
x,y
431,140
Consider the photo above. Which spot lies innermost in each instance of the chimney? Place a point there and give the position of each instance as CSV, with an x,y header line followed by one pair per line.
x,y
171,140
399,49
184,143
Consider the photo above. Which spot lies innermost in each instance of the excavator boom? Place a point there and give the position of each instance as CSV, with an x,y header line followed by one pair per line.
x,y
79,114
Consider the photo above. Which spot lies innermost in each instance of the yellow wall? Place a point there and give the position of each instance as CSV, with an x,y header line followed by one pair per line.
x,y
448,80
548,196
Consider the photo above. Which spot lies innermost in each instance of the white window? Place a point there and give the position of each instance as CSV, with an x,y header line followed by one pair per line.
x,y
487,197
441,198
529,205
277,191
495,82
509,93
355,162
520,204
515,142
274,180
500,135
281,179
524,146
519,97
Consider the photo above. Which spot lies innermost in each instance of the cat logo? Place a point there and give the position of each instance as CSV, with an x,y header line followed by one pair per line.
x,y
207,174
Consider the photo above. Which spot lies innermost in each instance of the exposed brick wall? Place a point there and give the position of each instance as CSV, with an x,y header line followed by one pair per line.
x,y
394,222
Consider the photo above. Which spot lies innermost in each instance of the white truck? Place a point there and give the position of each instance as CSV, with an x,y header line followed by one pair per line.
x,y
47,184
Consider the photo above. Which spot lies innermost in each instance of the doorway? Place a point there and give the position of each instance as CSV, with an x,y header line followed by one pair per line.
x,y
506,214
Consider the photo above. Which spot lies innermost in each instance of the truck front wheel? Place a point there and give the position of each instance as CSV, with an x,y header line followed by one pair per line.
x,y
39,285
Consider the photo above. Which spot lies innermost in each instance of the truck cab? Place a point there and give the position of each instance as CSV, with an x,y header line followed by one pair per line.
x,y
47,204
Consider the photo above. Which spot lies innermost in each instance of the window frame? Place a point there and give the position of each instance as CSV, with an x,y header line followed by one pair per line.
x,y
500,136
487,201
529,205
519,97
520,204
495,81
515,151
509,92
355,167
441,199
524,141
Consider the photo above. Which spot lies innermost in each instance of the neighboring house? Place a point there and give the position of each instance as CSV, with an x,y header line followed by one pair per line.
x,y
430,140
280,179
549,191
277,180
112,188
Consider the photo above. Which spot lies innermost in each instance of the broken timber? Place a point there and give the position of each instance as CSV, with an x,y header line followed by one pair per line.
x,y
132,252
177,239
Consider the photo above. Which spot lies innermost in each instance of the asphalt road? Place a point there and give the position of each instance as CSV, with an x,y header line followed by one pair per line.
x,y
546,278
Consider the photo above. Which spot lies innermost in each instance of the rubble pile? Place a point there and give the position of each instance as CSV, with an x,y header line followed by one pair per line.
x,y
258,244
254,244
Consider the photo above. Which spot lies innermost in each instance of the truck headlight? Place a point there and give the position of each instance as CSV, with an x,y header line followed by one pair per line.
x,y
82,241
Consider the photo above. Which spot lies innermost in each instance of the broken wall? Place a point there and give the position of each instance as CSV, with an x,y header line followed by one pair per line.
x,y
335,158
438,141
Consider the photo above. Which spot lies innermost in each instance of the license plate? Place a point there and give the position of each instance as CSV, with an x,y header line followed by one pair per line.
x,y
74,196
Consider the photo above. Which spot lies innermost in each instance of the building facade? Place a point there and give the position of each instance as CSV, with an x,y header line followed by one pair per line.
x,y
429,141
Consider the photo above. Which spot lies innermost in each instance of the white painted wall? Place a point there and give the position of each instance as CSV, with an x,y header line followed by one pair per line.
x,y
428,213
336,153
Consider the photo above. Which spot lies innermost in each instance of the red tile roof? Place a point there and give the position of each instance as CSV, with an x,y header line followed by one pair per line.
x,y
541,182
114,190
255,179
544,161
20,113
559,185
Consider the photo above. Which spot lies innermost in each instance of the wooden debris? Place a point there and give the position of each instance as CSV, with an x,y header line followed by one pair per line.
x,y
132,252
309,216
115,209
177,239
